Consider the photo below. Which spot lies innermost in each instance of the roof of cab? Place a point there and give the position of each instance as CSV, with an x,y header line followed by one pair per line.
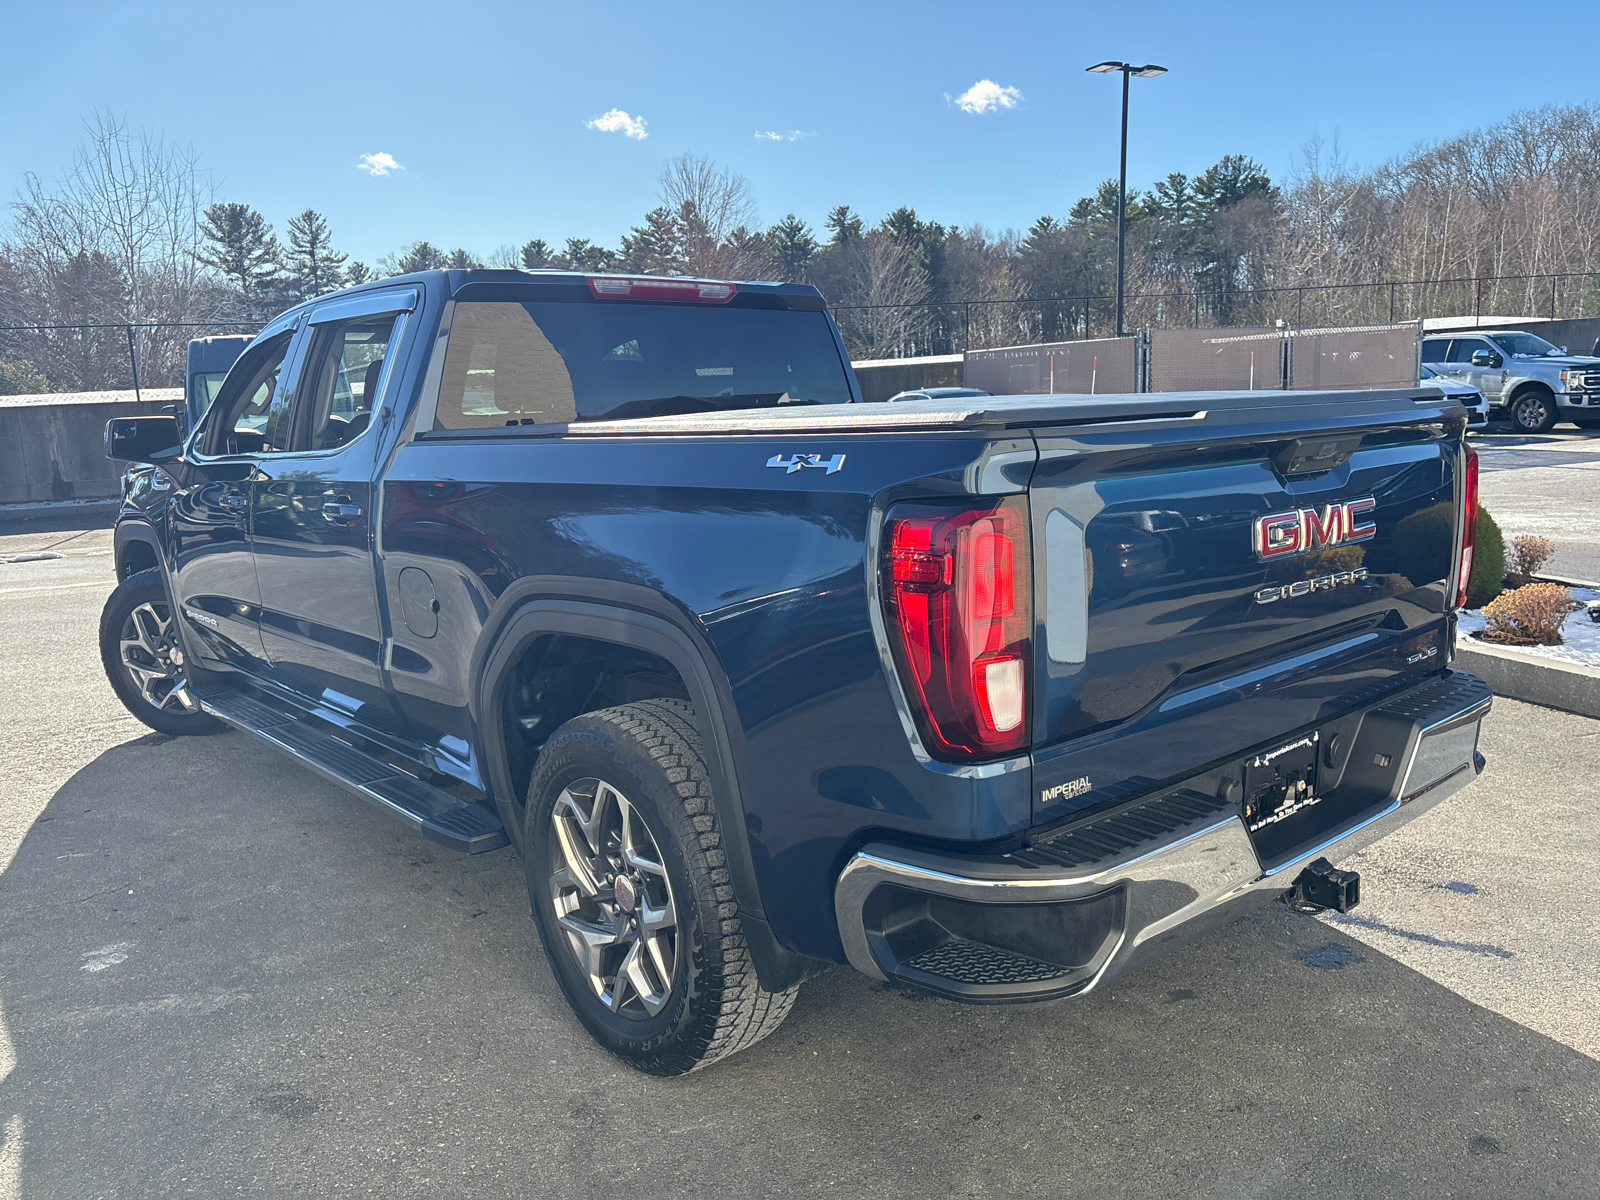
x,y
456,280
453,281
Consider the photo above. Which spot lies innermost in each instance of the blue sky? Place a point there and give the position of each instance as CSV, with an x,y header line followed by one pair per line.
x,y
486,107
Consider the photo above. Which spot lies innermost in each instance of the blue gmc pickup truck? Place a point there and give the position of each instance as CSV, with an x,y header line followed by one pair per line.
x,y
991,697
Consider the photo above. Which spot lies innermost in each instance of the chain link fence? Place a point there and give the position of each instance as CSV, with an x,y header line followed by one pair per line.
x,y
906,331
1203,360
1094,366
1192,360
1354,357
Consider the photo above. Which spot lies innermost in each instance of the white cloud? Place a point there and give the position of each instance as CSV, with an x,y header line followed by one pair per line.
x,y
987,96
378,164
771,135
617,121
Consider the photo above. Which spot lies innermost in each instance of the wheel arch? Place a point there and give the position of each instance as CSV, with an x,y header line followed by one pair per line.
x,y
1534,389
135,549
638,620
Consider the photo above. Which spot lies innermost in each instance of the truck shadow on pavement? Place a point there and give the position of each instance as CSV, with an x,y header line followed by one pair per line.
x,y
220,974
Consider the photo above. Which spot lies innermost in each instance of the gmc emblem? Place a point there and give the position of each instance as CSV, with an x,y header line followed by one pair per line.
x,y
1306,530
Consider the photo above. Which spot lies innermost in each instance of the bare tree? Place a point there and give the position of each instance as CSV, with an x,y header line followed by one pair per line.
x,y
135,199
884,287
709,203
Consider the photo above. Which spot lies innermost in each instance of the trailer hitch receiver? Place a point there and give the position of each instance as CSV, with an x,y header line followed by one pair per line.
x,y
1323,885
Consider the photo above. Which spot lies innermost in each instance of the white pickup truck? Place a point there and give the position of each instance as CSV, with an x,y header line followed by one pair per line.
x,y
1523,376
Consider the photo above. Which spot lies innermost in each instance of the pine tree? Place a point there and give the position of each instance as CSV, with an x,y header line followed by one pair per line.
x,y
537,255
240,245
845,224
583,255
793,245
87,289
656,247
926,241
462,260
358,272
313,265
420,256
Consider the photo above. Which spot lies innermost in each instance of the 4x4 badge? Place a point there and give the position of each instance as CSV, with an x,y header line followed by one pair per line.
x,y
795,461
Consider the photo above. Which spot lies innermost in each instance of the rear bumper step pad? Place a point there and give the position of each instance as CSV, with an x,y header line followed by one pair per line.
x,y
432,812
1094,900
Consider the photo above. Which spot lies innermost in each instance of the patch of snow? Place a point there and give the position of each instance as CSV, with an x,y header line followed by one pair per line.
x,y
1581,636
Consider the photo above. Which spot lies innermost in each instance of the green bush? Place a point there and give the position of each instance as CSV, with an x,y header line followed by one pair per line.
x,y
1488,562
1424,543
19,377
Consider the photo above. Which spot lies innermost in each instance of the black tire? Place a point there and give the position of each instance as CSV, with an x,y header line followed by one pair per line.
x,y
149,676
651,758
1533,410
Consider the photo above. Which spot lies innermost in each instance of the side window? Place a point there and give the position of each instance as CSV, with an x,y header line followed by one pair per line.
x,y
500,369
1434,349
248,414
340,382
1462,349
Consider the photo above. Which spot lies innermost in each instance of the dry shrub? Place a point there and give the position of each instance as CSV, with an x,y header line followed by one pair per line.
x,y
1528,553
1530,615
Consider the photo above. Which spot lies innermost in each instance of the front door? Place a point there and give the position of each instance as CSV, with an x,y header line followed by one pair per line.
x,y
213,578
312,512
1488,380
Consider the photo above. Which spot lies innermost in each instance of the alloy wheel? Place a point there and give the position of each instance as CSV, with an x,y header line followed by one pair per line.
x,y
1531,413
153,659
613,899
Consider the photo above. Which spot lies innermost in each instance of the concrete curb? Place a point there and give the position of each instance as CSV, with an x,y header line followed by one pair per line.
x,y
57,508
1571,583
1566,686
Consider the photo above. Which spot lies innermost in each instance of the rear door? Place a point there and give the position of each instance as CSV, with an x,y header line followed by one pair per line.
x,y
1209,584
312,509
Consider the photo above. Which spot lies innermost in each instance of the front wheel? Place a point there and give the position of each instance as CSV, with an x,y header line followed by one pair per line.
x,y
1533,411
143,660
631,892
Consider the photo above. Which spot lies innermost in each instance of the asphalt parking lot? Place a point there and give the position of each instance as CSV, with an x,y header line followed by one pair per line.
x,y
220,975
1548,484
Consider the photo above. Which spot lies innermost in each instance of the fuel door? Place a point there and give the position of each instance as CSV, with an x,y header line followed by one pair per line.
x,y
419,608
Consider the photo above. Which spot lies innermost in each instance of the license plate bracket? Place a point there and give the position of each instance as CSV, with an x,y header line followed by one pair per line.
x,y
1281,782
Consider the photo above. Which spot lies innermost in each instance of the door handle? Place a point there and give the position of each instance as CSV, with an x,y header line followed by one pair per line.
x,y
339,511
233,500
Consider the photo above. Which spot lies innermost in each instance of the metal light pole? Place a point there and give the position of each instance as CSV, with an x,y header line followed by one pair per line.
x,y
1148,71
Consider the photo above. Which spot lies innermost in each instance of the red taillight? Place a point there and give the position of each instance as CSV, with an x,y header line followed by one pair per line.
x,y
959,591
650,287
1469,525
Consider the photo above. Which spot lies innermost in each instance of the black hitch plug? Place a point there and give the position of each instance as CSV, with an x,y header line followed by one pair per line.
x,y
1323,885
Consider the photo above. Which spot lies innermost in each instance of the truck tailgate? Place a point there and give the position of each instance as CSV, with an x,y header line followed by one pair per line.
x,y
1211,583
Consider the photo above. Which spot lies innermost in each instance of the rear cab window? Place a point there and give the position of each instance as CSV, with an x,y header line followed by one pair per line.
x,y
521,359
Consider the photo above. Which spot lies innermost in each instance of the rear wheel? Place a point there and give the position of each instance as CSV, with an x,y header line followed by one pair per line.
x,y
143,660
1533,410
626,871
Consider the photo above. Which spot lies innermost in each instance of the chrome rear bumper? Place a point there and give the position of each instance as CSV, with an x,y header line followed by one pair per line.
x,y
996,930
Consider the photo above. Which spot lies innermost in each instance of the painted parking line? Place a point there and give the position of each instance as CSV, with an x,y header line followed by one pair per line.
x,y
108,584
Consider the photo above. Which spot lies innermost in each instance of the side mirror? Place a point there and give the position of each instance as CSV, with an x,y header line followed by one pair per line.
x,y
143,439
175,410
1485,358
